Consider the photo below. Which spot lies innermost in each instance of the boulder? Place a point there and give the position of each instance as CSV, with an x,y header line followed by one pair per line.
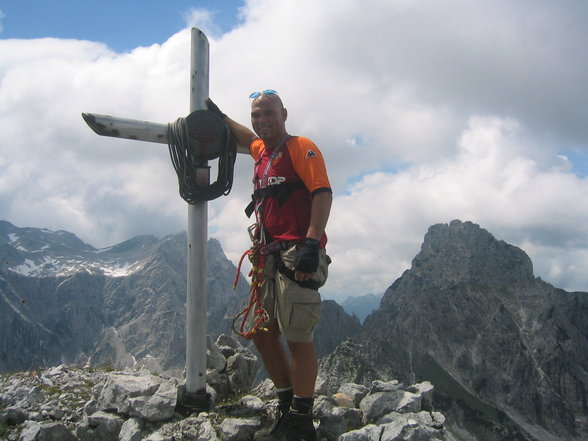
x,y
355,391
142,395
157,407
242,368
13,416
100,426
35,431
238,429
214,357
335,420
425,390
131,430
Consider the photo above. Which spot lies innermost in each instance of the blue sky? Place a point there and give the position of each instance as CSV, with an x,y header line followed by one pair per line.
x,y
122,25
426,111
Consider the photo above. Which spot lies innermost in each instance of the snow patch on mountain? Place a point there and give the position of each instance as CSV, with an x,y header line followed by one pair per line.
x,y
44,253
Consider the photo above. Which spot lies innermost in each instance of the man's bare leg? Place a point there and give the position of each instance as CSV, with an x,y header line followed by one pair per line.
x,y
277,364
274,356
304,367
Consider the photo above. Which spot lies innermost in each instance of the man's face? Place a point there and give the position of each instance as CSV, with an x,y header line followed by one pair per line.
x,y
268,119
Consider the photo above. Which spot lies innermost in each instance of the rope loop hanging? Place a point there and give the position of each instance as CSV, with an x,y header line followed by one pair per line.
x,y
194,140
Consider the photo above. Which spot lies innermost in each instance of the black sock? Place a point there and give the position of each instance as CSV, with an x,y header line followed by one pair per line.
x,y
285,399
302,405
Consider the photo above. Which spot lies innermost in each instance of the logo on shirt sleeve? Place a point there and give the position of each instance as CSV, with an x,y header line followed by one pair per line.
x,y
310,154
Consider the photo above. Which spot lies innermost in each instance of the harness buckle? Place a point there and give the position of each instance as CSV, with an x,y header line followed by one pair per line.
x,y
278,245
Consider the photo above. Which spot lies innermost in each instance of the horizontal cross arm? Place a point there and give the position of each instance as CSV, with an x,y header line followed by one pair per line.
x,y
105,125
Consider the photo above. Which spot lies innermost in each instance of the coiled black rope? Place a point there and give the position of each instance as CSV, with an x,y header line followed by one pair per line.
x,y
194,140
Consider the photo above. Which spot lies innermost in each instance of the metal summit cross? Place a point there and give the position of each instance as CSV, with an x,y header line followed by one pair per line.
x,y
195,396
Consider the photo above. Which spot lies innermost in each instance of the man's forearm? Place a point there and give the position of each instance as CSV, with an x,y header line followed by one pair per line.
x,y
242,134
319,214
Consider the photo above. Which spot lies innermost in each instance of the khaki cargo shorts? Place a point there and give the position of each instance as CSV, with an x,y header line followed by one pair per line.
x,y
296,309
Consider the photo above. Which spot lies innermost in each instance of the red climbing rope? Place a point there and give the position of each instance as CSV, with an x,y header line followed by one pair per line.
x,y
254,304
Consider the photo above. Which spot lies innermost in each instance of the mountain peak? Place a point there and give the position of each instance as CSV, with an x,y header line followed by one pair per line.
x,y
471,317
463,252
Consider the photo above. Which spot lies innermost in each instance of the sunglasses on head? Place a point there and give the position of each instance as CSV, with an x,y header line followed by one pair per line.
x,y
265,92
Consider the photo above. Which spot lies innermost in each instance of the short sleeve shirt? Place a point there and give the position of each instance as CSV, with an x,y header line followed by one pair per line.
x,y
299,160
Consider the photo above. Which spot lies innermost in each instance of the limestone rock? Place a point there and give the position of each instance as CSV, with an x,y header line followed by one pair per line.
x,y
355,391
100,426
335,420
242,368
237,429
35,431
13,416
343,400
214,357
130,430
377,404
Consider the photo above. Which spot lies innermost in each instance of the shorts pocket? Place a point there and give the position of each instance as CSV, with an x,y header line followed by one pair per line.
x,y
298,309
304,315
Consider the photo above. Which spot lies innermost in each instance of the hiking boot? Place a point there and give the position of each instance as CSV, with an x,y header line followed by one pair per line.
x,y
301,427
280,423
289,427
277,432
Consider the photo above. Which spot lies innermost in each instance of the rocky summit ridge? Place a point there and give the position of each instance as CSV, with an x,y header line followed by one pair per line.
x,y
73,404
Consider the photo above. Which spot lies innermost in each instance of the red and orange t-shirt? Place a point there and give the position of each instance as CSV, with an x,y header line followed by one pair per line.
x,y
299,160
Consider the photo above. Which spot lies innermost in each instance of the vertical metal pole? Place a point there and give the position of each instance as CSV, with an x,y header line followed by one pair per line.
x,y
197,244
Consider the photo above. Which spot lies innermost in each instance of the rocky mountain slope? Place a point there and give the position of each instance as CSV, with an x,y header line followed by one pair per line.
x,y
63,301
506,350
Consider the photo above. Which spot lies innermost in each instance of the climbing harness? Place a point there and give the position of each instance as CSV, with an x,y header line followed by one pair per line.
x,y
255,304
192,141
279,191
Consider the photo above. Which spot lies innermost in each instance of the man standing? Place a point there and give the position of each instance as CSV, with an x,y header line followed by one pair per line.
x,y
292,201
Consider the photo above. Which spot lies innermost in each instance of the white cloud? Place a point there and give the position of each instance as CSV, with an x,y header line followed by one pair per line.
x,y
202,19
491,181
425,111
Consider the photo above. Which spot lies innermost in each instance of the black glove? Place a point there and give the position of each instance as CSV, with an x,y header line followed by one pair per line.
x,y
307,260
214,109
